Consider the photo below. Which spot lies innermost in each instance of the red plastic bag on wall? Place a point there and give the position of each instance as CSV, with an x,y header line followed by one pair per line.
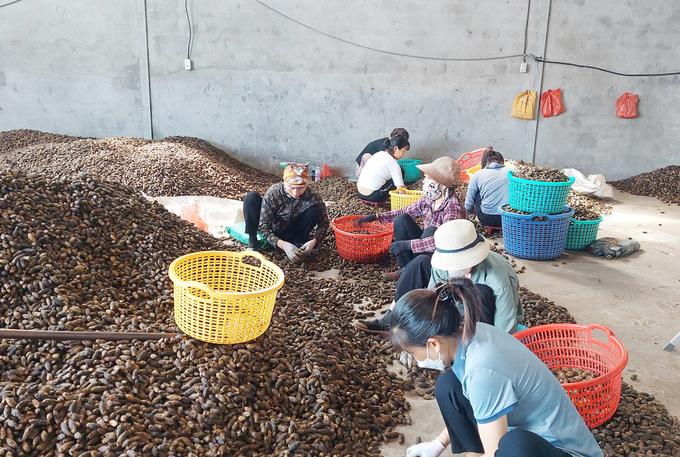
x,y
325,171
626,106
551,103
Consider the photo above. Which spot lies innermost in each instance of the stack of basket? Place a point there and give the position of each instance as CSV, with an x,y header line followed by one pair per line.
x,y
541,232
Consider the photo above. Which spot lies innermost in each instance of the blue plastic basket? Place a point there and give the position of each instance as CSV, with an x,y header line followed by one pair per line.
x,y
538,196
582,234
411,172
529,239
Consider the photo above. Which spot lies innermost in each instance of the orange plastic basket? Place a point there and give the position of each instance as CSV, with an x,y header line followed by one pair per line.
x,y
469,160
573,346
220,299
362,248
398,200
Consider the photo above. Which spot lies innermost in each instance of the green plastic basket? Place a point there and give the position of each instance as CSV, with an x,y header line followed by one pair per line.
x,y
411,172
582,234
538,196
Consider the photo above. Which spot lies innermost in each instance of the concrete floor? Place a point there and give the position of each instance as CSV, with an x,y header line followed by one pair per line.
x,y
637,297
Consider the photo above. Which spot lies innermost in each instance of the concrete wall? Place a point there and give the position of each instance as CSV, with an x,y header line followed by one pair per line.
x,y
268,89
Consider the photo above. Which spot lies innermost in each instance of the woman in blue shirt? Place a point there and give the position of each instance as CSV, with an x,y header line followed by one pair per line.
x,y
488,189
498,399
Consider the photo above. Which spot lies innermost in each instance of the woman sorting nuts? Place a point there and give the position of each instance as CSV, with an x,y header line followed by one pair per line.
x,y
498,398
376,146
489,189
382,173
437,206
287,214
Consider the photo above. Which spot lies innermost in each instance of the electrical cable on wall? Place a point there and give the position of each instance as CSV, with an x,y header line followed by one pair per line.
x,y
554,62
10,3
186,10
382,51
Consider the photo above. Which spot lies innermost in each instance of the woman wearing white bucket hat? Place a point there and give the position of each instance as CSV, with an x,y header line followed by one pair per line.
x,y
461,252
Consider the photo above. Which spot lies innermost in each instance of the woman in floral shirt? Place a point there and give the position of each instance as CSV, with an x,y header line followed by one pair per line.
x,y
287,214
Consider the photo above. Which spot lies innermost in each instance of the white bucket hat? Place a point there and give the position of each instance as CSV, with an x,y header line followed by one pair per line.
x,y
458,246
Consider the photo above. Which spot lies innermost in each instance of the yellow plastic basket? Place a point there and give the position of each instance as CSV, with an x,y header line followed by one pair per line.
x,y
473,170
220,299
398,200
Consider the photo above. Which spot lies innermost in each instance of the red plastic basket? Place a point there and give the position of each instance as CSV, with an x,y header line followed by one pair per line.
x,y
362,248
572,346
469,160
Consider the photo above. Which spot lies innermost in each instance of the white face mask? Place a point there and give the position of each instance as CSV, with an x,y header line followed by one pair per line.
x,y
459,273
431,364
431,189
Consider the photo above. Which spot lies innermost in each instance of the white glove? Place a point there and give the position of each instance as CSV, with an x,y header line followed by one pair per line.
x,y
307,247
407,359
291,251
430,449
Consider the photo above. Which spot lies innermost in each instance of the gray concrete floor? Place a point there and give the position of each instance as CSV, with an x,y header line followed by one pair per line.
x,y
637,297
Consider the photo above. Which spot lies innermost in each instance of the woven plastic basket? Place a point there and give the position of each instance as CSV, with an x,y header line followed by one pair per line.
x,y
528,238
582,234
411,172
472,171
468,160
538,196
573,346
362,248
398,200
220,299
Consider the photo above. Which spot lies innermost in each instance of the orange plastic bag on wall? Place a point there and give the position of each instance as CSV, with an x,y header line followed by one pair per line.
x,y
626,106
551,103
524,105
190,214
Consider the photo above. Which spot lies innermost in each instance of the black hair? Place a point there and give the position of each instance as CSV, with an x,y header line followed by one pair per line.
x,y
399,131
423,313
398,142
490,156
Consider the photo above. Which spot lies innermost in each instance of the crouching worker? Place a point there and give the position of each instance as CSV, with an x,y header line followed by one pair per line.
x,y
287,214
498,399
437,206
461,252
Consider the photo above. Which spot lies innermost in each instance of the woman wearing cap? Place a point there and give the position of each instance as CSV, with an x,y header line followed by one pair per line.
x,y
376,146
382,173
287,214
437,206
498,398
488,189
461,252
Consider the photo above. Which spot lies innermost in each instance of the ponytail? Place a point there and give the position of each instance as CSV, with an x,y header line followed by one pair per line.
x,y
423,313
491,156
397,142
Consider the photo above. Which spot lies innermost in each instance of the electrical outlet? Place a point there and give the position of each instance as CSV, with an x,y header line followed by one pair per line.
x,y
188,64
523,67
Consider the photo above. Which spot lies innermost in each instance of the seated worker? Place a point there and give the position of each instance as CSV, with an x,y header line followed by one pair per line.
x,y
489,189
287,214
382,173
437,206
499,399
461,252
376,146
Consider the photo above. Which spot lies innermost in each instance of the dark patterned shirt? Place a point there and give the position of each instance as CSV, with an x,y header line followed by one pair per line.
x,y
449,210
279,209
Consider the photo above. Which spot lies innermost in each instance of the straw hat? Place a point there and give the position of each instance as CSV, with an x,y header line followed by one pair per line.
x,y
444,170
458,246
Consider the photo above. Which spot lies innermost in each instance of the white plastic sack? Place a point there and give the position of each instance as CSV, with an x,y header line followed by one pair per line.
x,y
592,186
216,212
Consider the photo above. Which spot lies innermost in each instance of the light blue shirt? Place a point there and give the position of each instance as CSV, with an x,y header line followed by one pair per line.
x,y
492,186
500,276
500,376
